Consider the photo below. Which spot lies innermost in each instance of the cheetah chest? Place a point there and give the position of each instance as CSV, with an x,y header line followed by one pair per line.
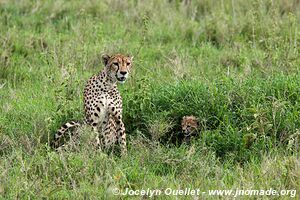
x,y
100,102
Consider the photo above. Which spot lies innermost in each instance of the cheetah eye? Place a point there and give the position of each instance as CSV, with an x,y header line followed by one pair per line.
x,y
128,63
117,64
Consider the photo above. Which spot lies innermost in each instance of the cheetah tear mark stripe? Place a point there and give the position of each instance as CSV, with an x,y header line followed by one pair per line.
x,y
62,130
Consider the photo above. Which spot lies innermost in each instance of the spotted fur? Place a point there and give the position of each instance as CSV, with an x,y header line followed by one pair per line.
x,y
103,104
189,126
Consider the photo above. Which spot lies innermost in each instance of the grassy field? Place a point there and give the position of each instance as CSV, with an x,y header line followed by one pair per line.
x,y
232,63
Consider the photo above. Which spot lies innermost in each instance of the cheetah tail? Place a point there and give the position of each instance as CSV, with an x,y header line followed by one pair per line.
x,y
61,132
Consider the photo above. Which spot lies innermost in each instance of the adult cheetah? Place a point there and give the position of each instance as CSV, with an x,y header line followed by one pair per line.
x,y
103,104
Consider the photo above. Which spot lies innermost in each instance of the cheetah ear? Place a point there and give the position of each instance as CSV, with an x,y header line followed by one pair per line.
x,y
183,118
105,59
198,121
131,57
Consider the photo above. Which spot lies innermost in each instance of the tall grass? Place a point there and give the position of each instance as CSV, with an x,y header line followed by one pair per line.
x,y
232,63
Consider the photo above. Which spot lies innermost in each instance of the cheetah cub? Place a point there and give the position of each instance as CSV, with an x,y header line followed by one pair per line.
x,y
103,104
189,127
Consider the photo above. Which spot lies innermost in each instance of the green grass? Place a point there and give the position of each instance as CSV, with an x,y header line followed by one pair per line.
x,y
232,63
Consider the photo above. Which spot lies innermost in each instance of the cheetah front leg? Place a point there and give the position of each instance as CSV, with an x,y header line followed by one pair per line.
x,y
98,120
109,133
122,137
116,113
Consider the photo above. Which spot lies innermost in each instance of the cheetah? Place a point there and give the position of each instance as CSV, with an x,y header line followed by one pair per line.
x,y
189,126
103,104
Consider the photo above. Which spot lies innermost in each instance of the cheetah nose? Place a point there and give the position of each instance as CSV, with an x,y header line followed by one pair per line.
x,y
123,72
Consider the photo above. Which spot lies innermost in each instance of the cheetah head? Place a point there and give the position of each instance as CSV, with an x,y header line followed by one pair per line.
x,y
189,126
118,66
